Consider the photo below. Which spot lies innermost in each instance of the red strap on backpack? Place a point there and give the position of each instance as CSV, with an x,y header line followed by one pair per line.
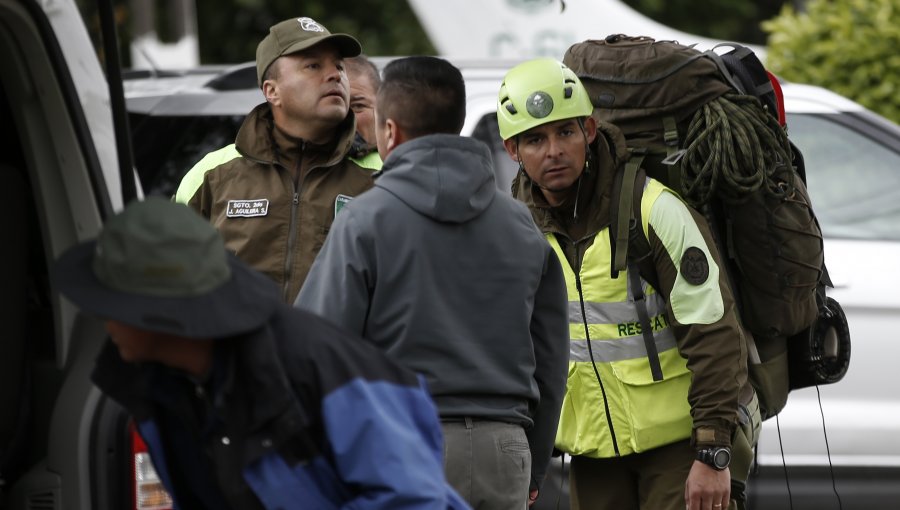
x,y
779,98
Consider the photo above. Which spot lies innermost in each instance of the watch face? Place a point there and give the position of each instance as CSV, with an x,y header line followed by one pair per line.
x,y
721,458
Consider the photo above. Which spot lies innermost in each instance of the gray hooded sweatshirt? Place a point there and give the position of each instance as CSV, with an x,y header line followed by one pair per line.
x,y
452,278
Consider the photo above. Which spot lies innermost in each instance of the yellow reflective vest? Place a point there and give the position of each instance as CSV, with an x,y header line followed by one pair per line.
x,y
612,405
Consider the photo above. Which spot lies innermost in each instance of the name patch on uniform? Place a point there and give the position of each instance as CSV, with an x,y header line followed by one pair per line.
x,y
694,266
340,202
247,208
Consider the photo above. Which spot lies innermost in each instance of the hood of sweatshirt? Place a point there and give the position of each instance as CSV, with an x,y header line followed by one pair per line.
x,y
448,178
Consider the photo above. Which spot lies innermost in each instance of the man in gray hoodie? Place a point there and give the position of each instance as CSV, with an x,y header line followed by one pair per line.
x,y
451,277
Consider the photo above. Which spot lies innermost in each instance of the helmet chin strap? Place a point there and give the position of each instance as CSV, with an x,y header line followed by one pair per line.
x,y
577,193
587,165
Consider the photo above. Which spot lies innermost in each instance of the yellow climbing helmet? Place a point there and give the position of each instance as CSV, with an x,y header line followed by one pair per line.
x,y
537,92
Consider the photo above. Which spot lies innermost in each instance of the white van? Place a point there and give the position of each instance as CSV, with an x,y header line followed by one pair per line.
x,y
62,445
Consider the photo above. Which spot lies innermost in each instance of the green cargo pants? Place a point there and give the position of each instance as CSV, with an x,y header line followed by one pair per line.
x,y
654,480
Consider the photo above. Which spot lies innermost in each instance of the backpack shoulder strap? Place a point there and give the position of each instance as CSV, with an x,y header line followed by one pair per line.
x,y
626,225
631,248
624,209
640,303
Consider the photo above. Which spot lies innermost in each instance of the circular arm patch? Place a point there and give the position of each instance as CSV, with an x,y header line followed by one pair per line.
x,y
694,266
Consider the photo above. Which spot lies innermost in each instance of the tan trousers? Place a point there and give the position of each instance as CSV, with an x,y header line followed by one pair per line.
x,y
488,463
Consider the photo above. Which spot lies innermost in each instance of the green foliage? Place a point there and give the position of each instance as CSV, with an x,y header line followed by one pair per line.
x,y
848,46
726,20
90,12
229,30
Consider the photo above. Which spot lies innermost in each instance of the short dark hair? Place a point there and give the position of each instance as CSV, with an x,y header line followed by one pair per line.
x,y
272,72
423,95
362,65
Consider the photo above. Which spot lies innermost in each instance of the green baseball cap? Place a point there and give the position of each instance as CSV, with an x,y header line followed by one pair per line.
x,y
297,34
160,266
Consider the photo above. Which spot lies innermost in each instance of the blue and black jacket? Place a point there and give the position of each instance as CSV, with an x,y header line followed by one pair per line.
x,y
298,414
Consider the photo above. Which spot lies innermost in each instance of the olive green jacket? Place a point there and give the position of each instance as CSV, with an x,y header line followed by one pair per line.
x,y
273,198
711,340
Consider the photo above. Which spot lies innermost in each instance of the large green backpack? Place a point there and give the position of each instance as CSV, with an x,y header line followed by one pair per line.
x,y
710,127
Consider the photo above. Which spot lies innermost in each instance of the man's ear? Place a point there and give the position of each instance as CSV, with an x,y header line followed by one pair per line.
x,y
512,148
271,91
394,135
387,136
590,128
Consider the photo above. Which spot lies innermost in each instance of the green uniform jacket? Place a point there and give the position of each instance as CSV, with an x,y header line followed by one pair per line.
x,y
273,198
701,344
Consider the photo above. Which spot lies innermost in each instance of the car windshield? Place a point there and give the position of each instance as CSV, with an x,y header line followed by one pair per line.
x,y
853,181
165,147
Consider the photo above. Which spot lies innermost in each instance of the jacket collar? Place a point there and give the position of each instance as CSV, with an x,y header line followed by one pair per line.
x,y
258,134
249,368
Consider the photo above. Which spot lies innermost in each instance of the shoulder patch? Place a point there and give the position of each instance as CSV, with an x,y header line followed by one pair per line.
x,y
247,208
340,202
694,266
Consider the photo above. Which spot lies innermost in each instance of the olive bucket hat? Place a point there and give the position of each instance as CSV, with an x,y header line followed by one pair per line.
x,y
297,34
159,266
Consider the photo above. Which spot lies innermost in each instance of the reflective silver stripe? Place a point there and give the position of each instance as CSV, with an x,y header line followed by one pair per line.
x,y
630,291
613,313
629,347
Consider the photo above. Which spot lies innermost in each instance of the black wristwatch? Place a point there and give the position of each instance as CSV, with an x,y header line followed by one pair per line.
x,y
716,457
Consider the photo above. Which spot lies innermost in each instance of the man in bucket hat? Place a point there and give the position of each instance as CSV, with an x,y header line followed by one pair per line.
x,y
274,193
244,402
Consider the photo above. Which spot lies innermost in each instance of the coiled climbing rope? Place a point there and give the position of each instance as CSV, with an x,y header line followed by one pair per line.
x,y
734,148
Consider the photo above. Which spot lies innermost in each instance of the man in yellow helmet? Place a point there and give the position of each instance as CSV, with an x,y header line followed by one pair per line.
x,y
661,421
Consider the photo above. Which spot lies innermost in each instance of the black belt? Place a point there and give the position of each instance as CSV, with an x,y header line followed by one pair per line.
x,y
459,419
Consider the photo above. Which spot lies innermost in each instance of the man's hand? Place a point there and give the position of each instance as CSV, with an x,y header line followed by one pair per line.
x,y
532,497
706,488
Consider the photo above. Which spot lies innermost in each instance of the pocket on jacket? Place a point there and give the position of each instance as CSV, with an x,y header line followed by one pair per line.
x,y
659,410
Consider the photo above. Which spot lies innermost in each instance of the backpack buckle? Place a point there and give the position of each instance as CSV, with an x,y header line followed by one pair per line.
x,y
638,151
674,158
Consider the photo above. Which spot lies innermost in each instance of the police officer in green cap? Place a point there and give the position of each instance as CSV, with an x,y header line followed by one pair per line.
x,y
274,193
657,421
